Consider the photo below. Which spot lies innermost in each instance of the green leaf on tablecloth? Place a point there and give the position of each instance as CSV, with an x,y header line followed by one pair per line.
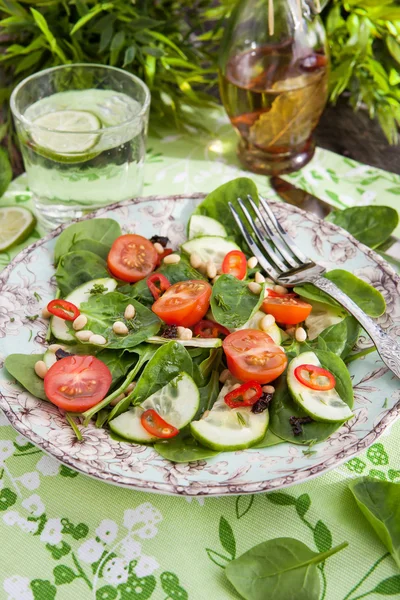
x,y
393,190
41,521
80,531
377,474
107,592
281,498
227,537
137,588
322,537
243,505
356,465
43,589
67,472
57,551
389,586
378,455
303,503
171,586
393,474
7,498
219,559
5,171
63,574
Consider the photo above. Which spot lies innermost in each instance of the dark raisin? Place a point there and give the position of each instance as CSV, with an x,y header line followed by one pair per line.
x,y
170,332
262,403
297,422
161,239
60,353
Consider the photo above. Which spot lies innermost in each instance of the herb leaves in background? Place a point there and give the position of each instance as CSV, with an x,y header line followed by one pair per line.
x,y
371,225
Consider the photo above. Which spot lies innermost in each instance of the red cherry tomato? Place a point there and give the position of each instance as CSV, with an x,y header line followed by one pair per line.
x,y
252,355
184,303
235,264
132,257
155,425
287,309
76,383
63,309
210,329
157,284
160,258
315,377
245,395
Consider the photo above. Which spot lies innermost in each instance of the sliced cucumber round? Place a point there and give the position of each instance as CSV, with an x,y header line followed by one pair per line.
x,y
320,405
321,317
177,403
81,294
49,358
193,343
225,428
255,323
210,247
201,225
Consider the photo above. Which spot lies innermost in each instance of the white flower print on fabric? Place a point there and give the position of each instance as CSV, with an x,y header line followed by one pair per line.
x,y
116,571
30,480
144,514
11,517
6,450
130,549
146,566
51,533
34,505
48,466
107,531
90,551
17,588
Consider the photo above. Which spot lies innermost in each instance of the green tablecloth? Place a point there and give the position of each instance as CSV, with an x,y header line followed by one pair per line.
x,y
66,536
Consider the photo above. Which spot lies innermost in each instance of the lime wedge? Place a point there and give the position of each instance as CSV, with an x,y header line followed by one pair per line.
x,y
16,223
66,122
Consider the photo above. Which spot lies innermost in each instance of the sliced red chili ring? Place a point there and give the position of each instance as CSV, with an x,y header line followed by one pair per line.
x,y
315,378
245,395
210,329
63,309
273,294
160,258
157,284
155,425
235,264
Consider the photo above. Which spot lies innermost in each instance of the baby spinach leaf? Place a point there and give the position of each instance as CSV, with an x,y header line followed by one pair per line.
x,y
202,369
364,295
75,268
183,448
232,303
22,368
310,292
118,362
279,569
269,439
208,395
379,501
215,205
371,225
103,310
91,246
389,586
341,337
104,231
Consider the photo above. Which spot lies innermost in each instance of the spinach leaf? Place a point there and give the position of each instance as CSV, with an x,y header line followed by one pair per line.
x,y
279,569
203,368
283,406
104,231
91,246
379,501
340,338
183,448
232,303
118,362
269,439
310,292
371,225
103,310
167,362
208,395
22,368
75,268
215,205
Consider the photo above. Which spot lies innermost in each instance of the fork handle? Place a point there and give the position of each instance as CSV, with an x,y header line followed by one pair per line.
x,y
387,347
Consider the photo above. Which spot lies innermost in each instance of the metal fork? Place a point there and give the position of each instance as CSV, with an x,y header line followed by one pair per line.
x,y
286,264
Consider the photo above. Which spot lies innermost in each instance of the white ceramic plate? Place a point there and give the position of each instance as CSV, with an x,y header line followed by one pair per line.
x,y
377,391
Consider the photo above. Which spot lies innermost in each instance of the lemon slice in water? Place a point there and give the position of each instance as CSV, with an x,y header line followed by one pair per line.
x,y
16,223
67,122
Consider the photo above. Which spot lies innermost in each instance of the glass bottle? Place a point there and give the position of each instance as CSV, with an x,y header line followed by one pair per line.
x,y
274,68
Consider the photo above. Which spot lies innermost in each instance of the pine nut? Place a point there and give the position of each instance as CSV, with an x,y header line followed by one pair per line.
x,y
55,347
202,269
79,323
211,269
172,259
40,369
216,278
130,388
45,313
279,289
255,288
224,375
84,336
97,339
252,262
259,278
129,312
301,334
117,399
266,322
266,294
268,389
236,386
120,328
184,333
220,271
195,260
158,248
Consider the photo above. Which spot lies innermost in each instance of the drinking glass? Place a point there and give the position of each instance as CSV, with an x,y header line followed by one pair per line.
x,y
82,130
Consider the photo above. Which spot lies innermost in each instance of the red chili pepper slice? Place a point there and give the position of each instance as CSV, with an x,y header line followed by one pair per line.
x,y
157,284
273,294
245,395
155,425
235,264
160,258
315,378
63,309
210,329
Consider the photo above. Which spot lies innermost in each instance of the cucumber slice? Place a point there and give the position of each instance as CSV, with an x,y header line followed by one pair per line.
x,y
193,343
223,429
321,406
177,403
81,294
254,323
210,247
200,225
321,317
49,358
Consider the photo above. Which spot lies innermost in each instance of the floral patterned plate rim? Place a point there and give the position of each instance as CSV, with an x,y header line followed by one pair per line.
x,y
28,283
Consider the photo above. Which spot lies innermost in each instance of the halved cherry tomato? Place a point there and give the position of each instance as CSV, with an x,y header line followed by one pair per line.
x,y
161,280
155,425
184,303
210,329
315,377
76,383
63,309
245,395
160,258
273,294
132,257
235,264
287,309
252,355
